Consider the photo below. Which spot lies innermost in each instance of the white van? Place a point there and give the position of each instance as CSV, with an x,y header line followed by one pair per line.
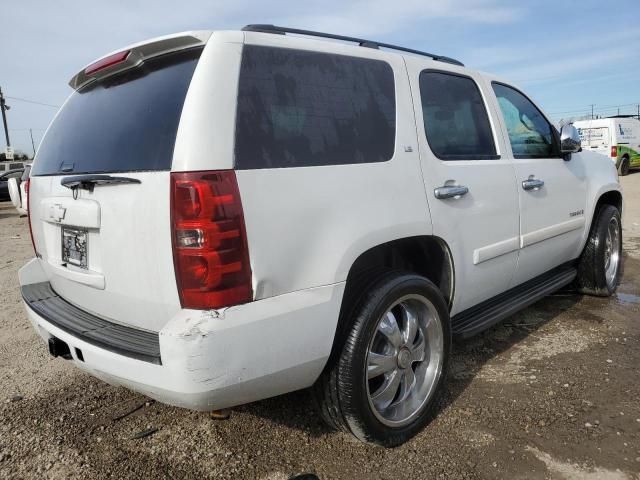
x,y
618,138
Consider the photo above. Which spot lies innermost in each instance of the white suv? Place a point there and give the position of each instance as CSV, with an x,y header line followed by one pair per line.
x,y
220,217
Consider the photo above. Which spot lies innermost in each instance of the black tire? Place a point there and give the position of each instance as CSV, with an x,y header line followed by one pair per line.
x,y
341,391
592,278
625,166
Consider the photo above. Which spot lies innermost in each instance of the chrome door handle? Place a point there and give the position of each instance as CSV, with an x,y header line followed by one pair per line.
x,y
532,184
452,191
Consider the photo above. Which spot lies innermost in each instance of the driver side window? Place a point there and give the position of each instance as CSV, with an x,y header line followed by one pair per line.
x,y
530,134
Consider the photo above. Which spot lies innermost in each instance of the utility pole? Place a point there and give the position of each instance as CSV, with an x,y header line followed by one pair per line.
x,y
592,105
638,111
4,107
32,143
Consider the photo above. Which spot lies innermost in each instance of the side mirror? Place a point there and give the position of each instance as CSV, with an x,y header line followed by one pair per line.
x,y
570,140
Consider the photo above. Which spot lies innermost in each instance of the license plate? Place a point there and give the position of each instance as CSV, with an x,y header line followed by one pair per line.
x,y
74,246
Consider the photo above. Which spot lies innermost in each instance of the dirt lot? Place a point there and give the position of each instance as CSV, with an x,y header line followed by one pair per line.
x,y
553,392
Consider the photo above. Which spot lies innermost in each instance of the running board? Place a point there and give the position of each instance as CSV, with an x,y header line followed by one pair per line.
x,y
486,314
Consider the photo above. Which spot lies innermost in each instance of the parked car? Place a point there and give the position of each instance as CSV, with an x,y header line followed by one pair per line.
x,y
17,191
9,165
220,217
4,182
616,137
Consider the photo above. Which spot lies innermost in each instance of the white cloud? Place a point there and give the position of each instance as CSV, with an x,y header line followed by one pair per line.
x,y
379,17
44,43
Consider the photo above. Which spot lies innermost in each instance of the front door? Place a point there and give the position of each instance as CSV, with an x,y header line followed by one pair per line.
x,y
551,190
469,185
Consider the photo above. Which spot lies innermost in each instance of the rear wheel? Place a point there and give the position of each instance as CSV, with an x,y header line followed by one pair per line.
x,y
625,166
599,267
383,386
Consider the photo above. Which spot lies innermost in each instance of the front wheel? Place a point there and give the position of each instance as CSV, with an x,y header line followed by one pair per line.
x,y
599,266
383,386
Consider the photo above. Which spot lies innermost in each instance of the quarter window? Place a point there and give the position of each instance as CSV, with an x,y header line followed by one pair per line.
x,y
530,134
455,118
299,108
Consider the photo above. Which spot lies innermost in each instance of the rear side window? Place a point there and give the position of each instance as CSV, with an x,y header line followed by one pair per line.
x,y
298,109
126,122
530,134
455,118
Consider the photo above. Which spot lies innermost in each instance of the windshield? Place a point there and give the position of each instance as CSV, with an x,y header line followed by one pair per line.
x,y
126,122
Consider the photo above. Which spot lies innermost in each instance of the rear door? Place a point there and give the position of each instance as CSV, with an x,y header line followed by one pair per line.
x,y
551,190
106,246
469,184
596,138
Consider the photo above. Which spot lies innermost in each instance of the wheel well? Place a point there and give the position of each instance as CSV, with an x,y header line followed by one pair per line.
x,y
424,255
612,197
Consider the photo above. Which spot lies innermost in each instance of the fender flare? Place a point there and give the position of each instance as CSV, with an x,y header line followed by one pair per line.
x,y
604,189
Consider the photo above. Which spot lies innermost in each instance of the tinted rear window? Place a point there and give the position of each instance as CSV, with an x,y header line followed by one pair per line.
x,y
126,122
300,109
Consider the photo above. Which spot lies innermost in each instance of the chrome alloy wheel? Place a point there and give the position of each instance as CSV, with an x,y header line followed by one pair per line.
x,y
404,360
612,252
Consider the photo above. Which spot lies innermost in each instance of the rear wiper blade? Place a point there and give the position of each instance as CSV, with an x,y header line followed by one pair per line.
x,y
88,182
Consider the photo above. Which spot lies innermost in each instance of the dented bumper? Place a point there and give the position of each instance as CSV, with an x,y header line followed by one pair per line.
x,y
218,358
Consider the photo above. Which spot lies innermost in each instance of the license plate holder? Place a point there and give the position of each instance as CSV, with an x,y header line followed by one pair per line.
x,y
74,246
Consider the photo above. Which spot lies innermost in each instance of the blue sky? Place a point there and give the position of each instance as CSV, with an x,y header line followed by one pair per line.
x,y
565,54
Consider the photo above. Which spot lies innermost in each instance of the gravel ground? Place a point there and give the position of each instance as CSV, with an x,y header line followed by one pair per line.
x,y
553,392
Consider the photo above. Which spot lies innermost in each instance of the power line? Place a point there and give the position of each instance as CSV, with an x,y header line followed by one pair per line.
x,y
601,107
594,111
33,101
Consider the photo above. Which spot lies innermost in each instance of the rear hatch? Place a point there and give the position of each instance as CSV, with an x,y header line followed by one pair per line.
x,y
595,138
99,190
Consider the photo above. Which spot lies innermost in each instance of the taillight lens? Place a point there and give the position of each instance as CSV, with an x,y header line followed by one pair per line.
x,y
210,251
614,151
27,191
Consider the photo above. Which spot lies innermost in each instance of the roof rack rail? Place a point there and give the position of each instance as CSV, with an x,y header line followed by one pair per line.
x,y
363,43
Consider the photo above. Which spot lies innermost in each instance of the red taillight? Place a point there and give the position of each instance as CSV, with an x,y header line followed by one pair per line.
x,y
27,190
210,252
107,62
614,151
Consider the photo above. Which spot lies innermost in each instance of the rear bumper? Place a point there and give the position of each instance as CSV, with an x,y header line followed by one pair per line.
x,y
128,341
217,358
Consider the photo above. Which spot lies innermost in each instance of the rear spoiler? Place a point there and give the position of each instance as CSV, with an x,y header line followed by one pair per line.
x,y
135,55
